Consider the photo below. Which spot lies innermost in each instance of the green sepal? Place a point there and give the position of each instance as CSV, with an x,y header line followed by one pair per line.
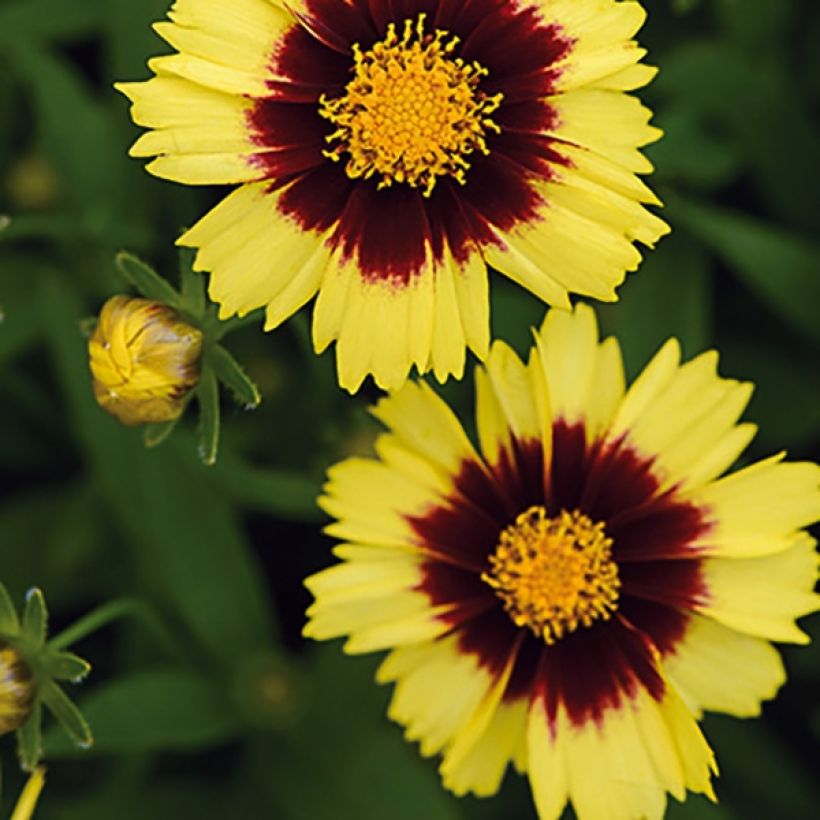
x,y
147,281
30,739
66,666
154,434
207,394
236,322
9,622
192,284
35,618
231,374
69,716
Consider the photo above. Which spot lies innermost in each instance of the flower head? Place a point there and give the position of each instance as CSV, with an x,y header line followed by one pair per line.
x,y
388,153
570,596
144,360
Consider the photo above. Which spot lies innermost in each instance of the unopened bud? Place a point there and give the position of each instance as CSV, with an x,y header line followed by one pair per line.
x,y
16,689
144,360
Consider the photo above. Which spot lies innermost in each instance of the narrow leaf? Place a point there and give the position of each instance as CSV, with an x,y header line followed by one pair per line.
x,y
67,666
9,622
30,740
152,711
35,617
154,434
146,280
207,394
780,267
192,284
69,716
231,374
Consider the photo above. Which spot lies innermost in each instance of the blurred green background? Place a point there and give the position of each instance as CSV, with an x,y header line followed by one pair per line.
x,y
210,705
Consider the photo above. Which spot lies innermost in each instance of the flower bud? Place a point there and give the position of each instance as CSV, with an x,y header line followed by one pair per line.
x,y
144,360
16,689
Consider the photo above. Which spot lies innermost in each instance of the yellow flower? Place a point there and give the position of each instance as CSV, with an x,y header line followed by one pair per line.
x,y
569,597
387,154
16,689
144,360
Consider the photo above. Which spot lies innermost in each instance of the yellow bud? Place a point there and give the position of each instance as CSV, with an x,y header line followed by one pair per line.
x,y
144,360
16,689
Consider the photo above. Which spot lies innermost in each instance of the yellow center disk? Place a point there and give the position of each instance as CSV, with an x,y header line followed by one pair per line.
x,y
554,574
412,112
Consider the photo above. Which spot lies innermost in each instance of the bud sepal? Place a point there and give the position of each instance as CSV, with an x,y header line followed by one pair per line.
x,y
30,667
151,354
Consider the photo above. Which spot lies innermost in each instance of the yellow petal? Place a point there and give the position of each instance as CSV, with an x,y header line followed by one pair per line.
x,y
757,510
764,595
718,669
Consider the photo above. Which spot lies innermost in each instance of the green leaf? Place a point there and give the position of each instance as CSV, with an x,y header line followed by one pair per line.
x,y
9,622
669,295
66,666
35,618
207,394
30,740
154,434
192,284
146,280
231,374
68,715
182,536
152,711
36,19
365,749
778,266
283,493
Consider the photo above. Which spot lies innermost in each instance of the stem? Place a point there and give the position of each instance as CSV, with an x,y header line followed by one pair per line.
x,y
105,614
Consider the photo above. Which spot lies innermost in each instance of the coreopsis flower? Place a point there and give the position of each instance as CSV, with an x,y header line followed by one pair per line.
x,y
144,360
572,594
387,153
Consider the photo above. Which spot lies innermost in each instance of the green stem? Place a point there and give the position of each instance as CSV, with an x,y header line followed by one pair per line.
x,y
105,614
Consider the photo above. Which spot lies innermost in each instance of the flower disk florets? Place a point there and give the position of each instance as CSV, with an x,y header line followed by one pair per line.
x,y
554,574
412,111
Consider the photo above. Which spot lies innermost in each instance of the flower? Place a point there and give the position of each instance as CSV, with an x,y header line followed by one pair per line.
x,y
16,689
573,597
144,360
387,153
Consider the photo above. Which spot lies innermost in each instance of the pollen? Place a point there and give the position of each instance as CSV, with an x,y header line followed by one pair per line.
x,y
554,574
413,111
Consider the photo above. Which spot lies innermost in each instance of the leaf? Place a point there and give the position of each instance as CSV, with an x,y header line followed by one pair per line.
x,y
153,711
36,19
231,374
283,493
87,155
368,771
146,280
182,536
207,394
35,618
9,622
780,267
669,295
192,284
29,739
154,434
66,666
68,715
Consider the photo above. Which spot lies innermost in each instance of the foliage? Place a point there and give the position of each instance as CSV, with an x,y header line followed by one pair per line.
x,y
206,702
